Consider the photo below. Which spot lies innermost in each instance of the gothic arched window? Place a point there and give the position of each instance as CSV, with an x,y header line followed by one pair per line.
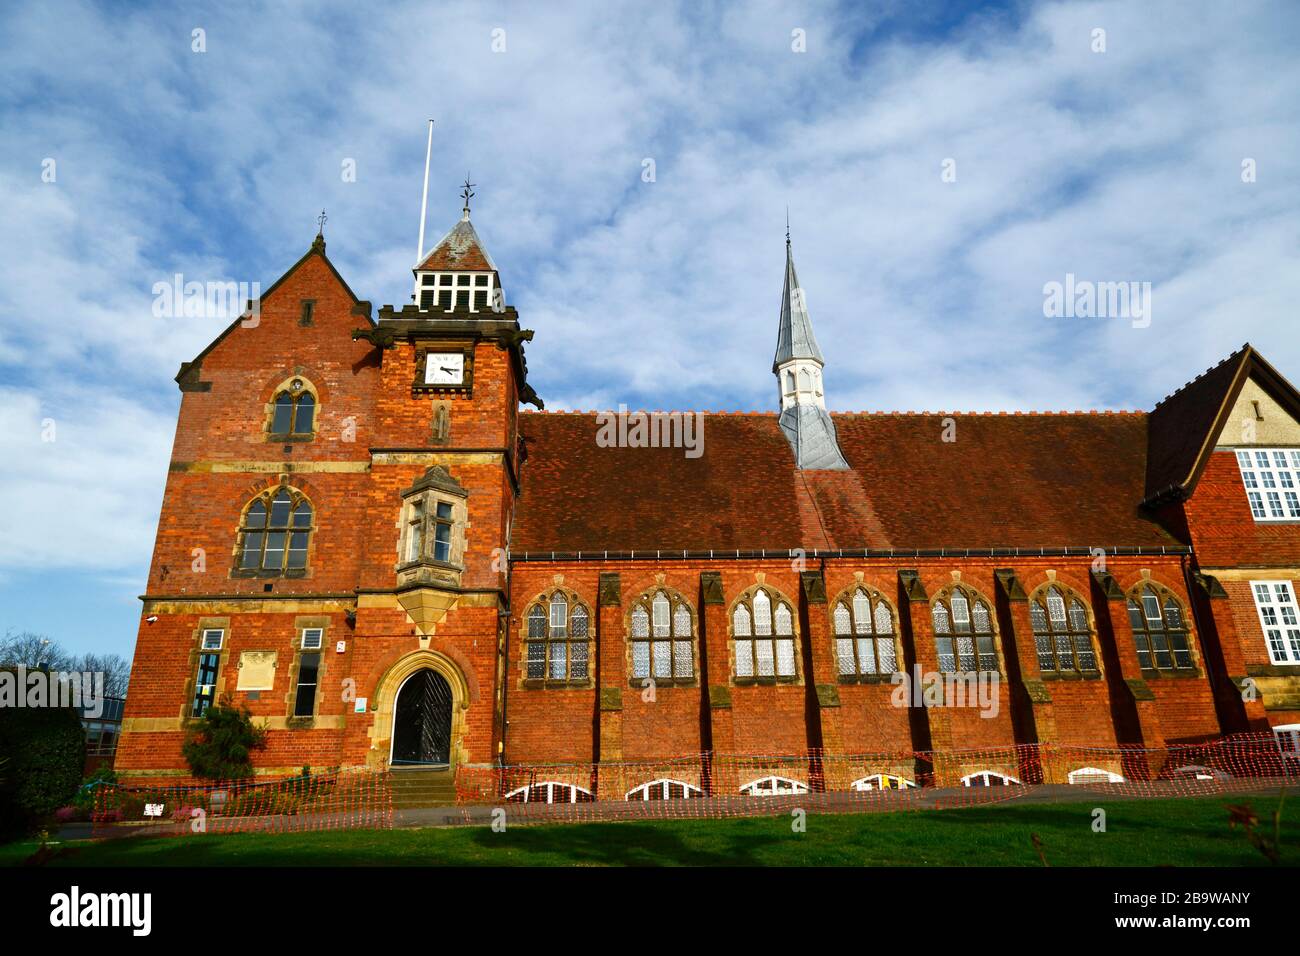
x,y
763,630
1062,634
963,631
662,637
293,412
557,639
275,532
864,634
1159,629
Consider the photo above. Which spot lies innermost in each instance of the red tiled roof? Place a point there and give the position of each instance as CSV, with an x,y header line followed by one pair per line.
x,y
1015,481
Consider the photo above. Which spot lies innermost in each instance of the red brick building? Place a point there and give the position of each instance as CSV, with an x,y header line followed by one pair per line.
x,y
364,542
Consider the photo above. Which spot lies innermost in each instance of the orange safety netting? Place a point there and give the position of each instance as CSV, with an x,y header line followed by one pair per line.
x,y
329,801
720,785
712,786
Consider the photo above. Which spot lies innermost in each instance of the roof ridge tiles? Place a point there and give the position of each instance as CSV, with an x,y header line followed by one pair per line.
x,y
1220,364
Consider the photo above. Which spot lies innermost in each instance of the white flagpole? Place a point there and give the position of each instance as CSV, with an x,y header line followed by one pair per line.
x,y
424,200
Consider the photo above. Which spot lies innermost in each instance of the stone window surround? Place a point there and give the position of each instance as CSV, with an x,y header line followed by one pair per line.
x,y
301,623
1039,595
306,387
267,495
196,651
777,598
544,599
1165,593
675,598
436,485
973,596
845,597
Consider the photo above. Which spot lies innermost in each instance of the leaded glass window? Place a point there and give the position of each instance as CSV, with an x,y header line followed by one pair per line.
x,y
864,634
662,637
293,412
1062,635
275,533
963,632
556,640
1159,629
763,635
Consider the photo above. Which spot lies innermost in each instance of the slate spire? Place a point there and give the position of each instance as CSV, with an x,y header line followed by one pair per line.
x,y
798,367
794,336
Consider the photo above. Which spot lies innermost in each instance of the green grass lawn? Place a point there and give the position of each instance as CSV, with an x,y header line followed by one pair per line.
x,y
1186,832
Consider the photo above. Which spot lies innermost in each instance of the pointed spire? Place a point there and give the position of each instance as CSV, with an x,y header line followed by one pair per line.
x,y
798,367
794,335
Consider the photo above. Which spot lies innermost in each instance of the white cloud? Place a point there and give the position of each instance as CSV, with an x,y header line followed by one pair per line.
x,y
1114,166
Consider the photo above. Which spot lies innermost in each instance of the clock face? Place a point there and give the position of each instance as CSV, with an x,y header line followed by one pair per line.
x,y
444,368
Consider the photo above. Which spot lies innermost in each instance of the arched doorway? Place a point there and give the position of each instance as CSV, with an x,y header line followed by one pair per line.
x,y
422,721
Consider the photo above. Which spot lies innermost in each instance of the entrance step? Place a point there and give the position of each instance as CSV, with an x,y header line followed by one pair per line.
x,y
422,787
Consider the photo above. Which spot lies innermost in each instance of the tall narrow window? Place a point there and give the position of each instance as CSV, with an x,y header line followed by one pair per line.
x,y
1062,634
1276,605
205,680
276,533
556,640
662,638
308,676
864,634
963,631
1159,629
293,412
763,634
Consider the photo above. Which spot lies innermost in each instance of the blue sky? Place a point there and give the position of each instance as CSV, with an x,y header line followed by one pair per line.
x,y
1122,165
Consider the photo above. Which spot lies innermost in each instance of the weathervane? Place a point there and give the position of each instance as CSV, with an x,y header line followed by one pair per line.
x,y
467,193
320,222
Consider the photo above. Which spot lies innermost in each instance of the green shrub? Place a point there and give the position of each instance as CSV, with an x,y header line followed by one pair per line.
x,y
44,749
262,802
221,747
104,776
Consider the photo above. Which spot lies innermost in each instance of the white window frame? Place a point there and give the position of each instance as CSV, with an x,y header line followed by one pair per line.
x,y
1004,779
431,281
319,633
1279,619
1285,733
1273,486
643,792
874,782
204,646
550,785
780,787
1086,775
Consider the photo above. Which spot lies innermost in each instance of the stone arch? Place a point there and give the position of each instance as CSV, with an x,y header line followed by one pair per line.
x,y
385,699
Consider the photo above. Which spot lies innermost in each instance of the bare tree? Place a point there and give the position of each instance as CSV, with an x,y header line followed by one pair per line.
x,y
32,651
116,670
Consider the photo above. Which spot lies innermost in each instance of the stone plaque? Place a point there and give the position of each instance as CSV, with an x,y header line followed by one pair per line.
x,y
256,670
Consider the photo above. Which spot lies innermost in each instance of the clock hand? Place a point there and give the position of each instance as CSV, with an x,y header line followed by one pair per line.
x,y
445,369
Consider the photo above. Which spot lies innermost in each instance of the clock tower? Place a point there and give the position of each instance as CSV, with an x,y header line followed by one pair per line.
x,y
445,461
